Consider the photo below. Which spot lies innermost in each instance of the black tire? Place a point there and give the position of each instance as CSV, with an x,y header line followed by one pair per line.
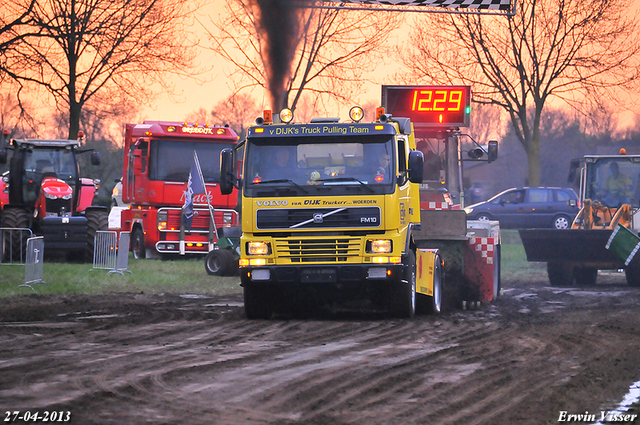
x,y
586,276
483,217
561,222
14,244
632,273
560,274
96,220
137,245
403,296
257,303
218,262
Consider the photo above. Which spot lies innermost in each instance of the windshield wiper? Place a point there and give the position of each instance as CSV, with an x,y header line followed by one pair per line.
x,y
347,179
283,181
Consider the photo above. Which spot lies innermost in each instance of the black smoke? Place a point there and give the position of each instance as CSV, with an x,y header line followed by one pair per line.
x,y
278,25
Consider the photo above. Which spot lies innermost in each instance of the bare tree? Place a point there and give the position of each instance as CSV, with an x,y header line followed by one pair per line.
x,y
77,48
580,52
331,53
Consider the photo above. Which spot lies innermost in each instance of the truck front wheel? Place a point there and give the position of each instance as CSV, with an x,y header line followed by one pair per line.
x,y
137,244
403,298
257,302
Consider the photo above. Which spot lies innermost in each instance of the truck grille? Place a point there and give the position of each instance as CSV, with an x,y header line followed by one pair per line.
x,y
317,250
200,220
318,218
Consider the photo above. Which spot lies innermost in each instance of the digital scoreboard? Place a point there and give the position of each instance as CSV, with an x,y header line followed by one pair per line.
x,y
429,106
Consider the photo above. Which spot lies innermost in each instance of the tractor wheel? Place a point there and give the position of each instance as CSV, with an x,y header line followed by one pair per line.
x,y
632,272
257,302
218,262
403,297
97,220
14,244
586,276
137,245
560,274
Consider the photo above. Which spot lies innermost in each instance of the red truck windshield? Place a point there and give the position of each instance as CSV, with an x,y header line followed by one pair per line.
x,y
170,160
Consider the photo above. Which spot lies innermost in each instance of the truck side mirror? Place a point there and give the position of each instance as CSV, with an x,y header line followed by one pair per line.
x,y
95,158
492,153
416,170
226,171
137,161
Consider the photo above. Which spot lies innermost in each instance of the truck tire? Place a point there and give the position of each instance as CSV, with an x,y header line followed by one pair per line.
x,y
96,220
432,304
137,244
586,276
257,302
403,297
218,262
560,274
14,245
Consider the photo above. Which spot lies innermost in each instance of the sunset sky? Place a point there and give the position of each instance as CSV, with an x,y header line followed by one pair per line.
x,y
214,85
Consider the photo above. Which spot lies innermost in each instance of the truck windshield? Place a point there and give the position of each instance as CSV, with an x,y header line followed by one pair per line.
x,y
614,181
319,163
170,160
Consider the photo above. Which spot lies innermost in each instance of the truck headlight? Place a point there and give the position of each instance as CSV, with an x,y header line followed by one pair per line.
x,y
162,220
379,246
258,248
468,210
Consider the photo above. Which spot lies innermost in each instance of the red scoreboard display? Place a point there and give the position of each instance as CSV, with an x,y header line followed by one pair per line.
x,y
429,106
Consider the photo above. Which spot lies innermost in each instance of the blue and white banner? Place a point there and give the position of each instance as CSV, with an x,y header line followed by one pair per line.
x,y
195,186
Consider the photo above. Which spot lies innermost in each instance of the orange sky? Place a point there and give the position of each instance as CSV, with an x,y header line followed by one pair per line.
x,y
193,95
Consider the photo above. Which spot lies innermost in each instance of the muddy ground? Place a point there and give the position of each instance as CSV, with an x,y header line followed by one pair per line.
x,y
168,359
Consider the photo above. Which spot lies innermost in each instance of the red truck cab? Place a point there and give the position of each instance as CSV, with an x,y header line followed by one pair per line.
x,y
157,160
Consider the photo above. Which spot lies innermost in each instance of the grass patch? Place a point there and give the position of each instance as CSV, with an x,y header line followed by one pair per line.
x,y
188,276
515,266
184,276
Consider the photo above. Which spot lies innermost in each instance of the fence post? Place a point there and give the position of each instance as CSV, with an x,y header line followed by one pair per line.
x,y
122,260
104,250
34,262
13,245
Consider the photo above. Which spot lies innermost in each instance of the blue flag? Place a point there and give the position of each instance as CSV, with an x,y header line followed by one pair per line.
x,y
195,186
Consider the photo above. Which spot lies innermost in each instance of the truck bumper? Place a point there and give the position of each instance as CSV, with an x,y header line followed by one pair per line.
x,y
328,282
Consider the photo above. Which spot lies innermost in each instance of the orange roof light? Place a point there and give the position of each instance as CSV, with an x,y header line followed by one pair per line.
x,y
266,114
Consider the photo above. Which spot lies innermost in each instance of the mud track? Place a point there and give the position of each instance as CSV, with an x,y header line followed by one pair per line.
x,y
170,359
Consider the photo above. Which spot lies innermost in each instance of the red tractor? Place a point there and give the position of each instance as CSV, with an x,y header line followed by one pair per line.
x,y
47,196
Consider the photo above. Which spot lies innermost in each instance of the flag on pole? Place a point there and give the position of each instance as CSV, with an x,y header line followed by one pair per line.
x,y
195,186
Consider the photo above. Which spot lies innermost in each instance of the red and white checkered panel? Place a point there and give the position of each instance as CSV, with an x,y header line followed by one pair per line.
x,y
479,267
437,206
485,246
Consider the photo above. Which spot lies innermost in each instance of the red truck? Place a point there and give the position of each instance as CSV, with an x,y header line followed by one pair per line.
x,y
157,160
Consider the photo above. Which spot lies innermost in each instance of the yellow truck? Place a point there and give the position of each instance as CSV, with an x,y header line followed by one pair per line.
x,y
330,213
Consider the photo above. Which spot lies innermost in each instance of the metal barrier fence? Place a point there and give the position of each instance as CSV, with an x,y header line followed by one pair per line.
x,y
110,255
122,261
104,250
35,260
13,243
